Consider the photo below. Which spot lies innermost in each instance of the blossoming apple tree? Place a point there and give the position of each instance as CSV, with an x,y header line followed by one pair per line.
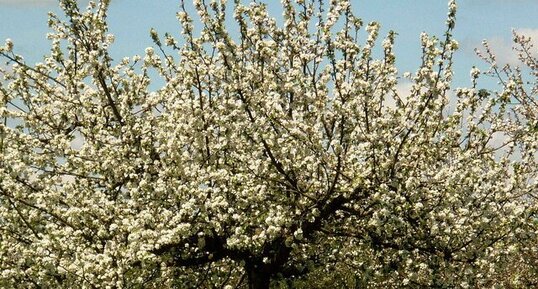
x,y
278,155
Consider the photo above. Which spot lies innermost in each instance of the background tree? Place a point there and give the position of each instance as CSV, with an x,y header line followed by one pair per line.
x,y
281,156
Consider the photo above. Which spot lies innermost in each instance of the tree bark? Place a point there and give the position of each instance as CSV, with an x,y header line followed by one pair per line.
x,y
257,277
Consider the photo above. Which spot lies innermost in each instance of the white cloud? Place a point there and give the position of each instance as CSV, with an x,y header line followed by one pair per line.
x,y
502,47
530,32
78,142
402,89
498,140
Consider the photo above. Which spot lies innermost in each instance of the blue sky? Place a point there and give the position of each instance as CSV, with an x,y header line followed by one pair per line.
x,y
24,21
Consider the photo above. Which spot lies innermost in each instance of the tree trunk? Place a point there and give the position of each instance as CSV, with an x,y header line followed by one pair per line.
x,y
257,278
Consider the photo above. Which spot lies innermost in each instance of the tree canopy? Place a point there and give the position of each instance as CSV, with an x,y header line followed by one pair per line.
x,y
280,155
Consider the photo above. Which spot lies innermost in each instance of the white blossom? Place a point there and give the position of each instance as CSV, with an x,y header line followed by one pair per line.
x,y
287,148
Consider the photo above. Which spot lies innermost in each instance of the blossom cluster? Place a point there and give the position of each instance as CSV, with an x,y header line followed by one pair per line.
x,y
281,152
